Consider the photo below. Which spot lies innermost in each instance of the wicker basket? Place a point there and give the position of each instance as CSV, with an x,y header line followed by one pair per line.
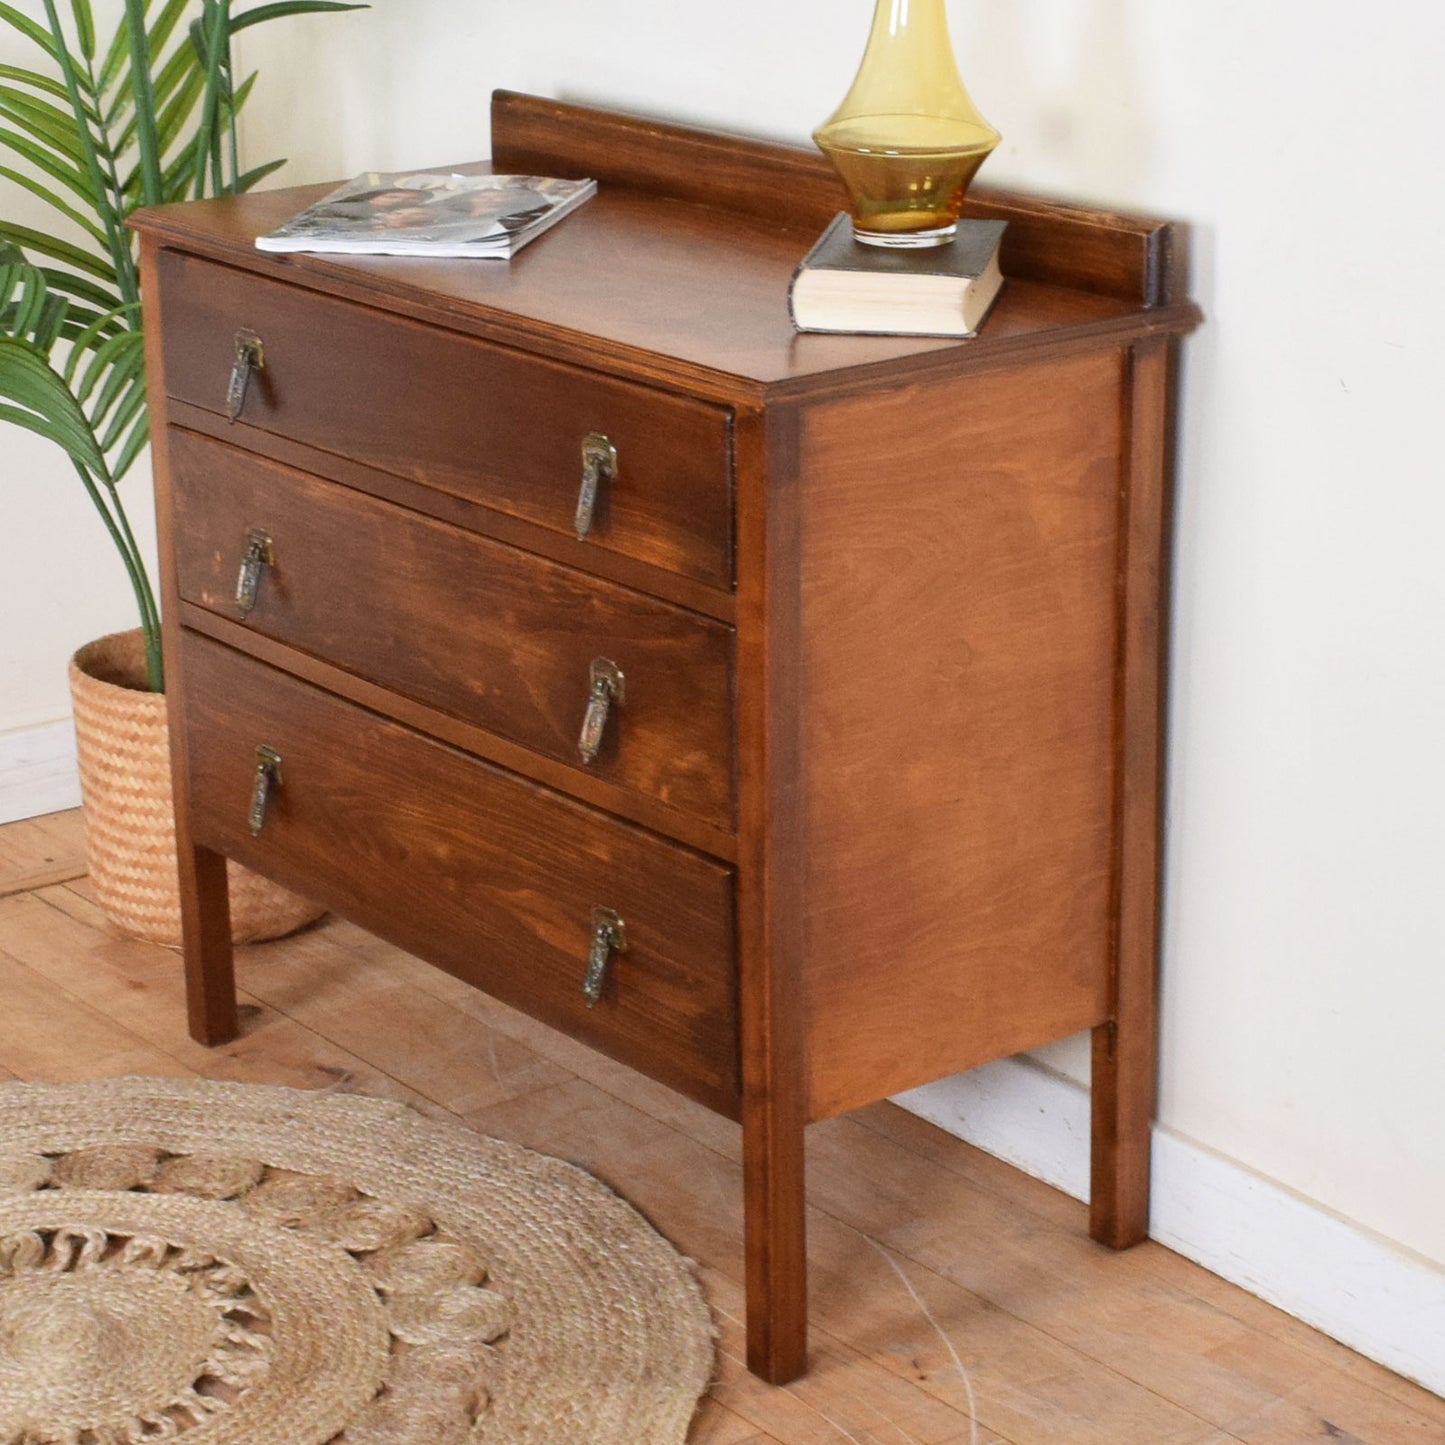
x,y
125,782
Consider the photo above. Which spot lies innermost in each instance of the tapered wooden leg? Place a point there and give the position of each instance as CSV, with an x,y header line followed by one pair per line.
x,y
206,939
775,1246
1125,1049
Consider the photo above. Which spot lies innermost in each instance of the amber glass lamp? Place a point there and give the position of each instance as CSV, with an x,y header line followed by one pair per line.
x,y
907,140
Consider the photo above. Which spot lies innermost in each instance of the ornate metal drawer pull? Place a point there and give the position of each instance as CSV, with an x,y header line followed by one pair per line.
x,y
609,936
608,686
599,463
259,553
268,779
250,356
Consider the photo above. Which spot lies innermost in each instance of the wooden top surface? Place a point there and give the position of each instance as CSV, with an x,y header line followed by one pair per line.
x,y
644,282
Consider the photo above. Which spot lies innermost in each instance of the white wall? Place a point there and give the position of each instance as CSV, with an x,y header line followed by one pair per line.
x,y
1305,922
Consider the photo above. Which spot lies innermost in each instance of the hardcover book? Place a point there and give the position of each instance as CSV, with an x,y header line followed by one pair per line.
x,y
844,285
430,214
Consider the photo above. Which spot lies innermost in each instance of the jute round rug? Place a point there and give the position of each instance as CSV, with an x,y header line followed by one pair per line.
x,y
231,1264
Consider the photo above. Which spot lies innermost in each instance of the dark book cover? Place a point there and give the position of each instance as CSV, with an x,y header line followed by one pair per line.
x,y
845,286
966,256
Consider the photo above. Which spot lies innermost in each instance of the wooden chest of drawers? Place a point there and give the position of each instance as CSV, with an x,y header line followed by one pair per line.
x,y
778,714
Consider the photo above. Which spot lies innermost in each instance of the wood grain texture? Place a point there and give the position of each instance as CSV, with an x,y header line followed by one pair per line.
x,y
204,889
1082,248
684,827
490,877
474,420
1125,1051
959,554
1066,1344
36,852
687,297
490,634
458,511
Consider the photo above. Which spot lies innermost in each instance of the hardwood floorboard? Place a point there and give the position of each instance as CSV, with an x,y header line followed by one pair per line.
x,y
1064,1343
858,1396
1272,1343
60,935
43,1027
1029,1388
39,851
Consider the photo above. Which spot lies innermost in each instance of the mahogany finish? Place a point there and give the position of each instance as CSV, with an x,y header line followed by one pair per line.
x,y
465,512
958,635
460,416
1125,1046
510,652
483,873
1091,250
686,297
885,803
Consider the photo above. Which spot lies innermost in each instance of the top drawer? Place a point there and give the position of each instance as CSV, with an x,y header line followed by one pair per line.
x,y
476,420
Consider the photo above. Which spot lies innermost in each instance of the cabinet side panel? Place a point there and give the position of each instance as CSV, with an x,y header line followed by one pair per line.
x,y
959,578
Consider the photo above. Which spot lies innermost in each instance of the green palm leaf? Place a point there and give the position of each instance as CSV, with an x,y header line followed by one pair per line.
x,y
115,74
252,177
276,11
57,249
86,292
84,26
52,198
38,399
132,446
48,123
145,103
96,128
26,26
71,177
20,76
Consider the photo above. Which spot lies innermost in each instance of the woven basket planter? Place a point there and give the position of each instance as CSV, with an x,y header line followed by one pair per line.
x,y
123,744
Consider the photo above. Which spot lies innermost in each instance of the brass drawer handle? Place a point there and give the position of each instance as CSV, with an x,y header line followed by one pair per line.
x,y
260,552
608,686
609,936
268,779
250,356
599,463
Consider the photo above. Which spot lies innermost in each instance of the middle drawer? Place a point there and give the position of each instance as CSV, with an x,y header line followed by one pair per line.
x,y
495,636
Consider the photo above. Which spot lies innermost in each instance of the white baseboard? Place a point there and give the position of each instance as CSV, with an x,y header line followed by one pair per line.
x,y
37,771
1338,1276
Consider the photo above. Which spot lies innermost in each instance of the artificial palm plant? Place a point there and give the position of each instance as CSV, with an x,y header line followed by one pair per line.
x,y
96,129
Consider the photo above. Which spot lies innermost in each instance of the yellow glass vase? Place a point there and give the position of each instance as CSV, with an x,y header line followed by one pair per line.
x,y
907,140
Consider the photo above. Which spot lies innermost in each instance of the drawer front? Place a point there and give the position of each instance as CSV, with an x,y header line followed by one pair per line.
x,y
493,878
461,415
476,628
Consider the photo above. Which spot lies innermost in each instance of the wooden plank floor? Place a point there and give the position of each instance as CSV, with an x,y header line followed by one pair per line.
x,y
953,1299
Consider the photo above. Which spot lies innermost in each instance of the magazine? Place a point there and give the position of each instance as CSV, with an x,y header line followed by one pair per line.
x,y
428,213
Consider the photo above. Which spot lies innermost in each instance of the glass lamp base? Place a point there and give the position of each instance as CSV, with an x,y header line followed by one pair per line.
x,y
906,240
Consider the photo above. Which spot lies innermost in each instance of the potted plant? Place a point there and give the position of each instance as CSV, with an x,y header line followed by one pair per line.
x,y
96,129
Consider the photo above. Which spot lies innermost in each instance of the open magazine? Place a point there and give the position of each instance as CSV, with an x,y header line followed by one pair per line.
x,y
430,214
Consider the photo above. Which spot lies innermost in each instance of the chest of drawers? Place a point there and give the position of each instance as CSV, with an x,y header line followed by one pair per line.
x,y
778,714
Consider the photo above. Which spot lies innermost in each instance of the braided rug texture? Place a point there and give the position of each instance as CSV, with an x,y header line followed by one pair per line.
x,y
235,1264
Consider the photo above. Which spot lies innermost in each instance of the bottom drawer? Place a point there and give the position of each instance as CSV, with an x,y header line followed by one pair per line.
x,y
489,876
